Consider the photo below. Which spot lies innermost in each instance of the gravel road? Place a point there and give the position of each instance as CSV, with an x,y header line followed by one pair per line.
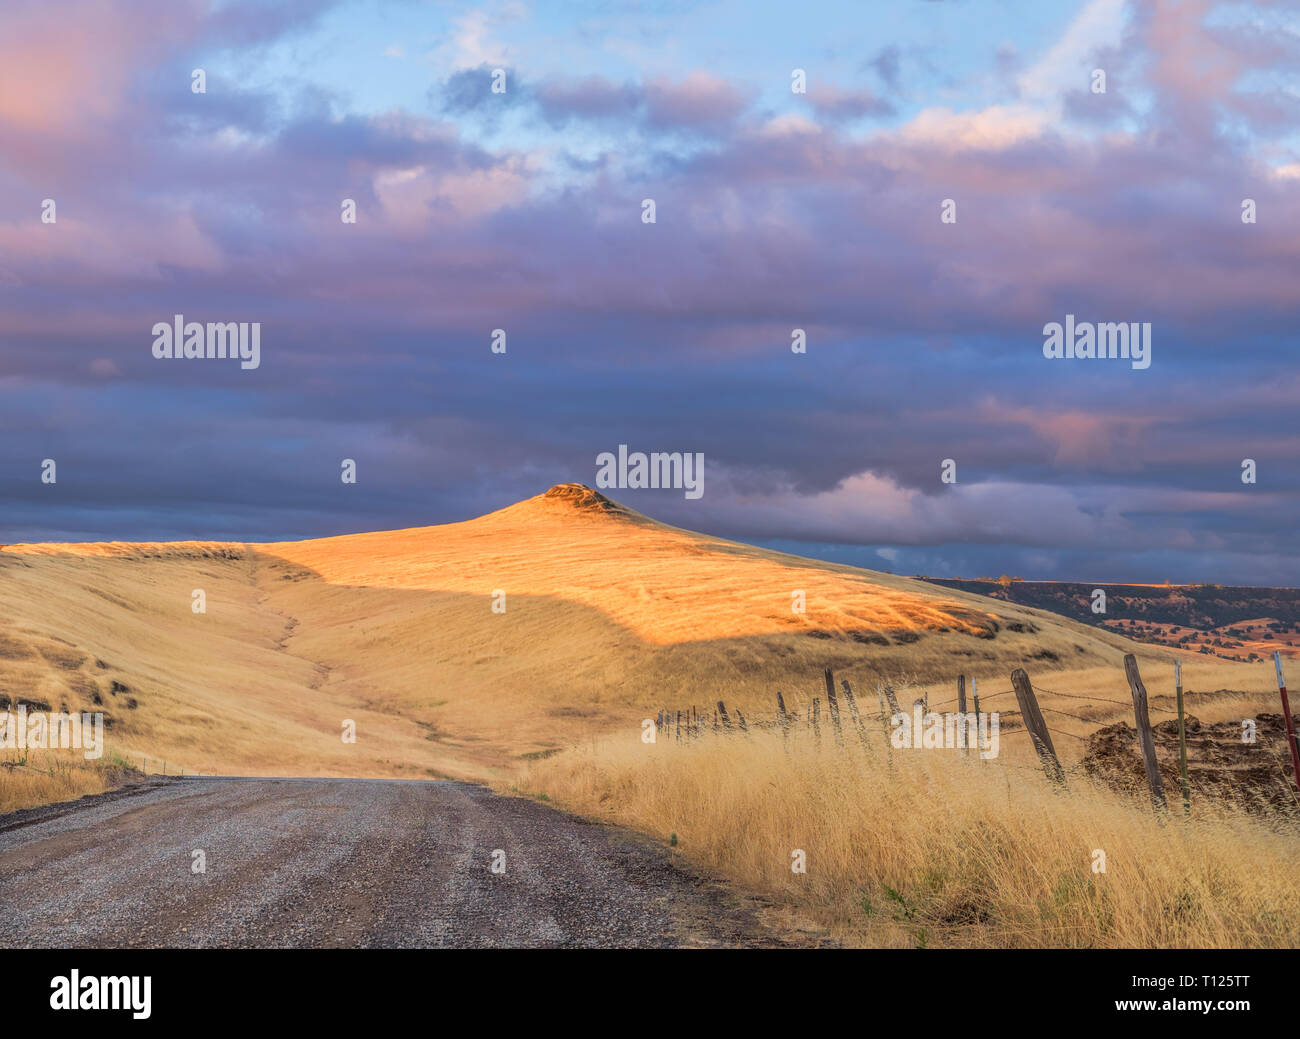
x,y
351,863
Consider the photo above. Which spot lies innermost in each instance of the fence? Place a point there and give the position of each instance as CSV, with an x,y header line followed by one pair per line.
x,y
150,765
144,763
689,724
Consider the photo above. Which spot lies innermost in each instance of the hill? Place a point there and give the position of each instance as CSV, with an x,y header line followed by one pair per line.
x,y
608,615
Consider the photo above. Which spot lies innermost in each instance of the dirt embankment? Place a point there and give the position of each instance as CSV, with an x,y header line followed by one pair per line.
x,y
1220,762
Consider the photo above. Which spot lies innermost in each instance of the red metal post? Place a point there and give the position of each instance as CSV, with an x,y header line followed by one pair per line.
x,y
1286,710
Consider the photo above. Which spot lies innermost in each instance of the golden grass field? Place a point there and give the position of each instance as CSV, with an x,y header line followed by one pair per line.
x,y
609,616
927,849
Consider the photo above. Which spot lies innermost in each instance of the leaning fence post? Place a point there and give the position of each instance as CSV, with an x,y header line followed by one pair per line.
x,y
853,709
817,719
1182,739
975,695
834,705
1033,719
884,718
726,718
893,700
1286,710
740,721
783,719
884,724
963,730
1154,779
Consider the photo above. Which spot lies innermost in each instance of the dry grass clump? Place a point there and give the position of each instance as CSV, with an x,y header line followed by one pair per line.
x,y
40,777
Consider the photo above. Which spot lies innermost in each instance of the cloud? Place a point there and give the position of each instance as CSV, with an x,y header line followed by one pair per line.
x,y
886,64
470,91
472,44
836,105
1065,66
924,337
995,128
592,97
699,102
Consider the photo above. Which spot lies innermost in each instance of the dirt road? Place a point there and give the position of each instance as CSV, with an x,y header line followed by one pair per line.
x,y
346,862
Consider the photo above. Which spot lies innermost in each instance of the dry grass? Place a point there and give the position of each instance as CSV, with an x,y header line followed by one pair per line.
x,y
933,848
215,692
41,777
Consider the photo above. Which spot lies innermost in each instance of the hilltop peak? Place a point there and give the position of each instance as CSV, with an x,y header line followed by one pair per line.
x,y
562,503
578,493
581,497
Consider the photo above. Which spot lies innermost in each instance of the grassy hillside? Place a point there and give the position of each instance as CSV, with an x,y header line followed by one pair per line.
x,y
608,616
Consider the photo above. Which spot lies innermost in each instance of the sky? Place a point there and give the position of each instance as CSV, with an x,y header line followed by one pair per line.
x,y
775,210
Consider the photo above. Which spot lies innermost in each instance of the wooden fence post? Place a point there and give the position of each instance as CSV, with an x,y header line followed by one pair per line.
x,y
1154,779
962,727
893,700
679,726
834,705
817,719
884,724
740,721
1286,710
726,718
1033,719
1182,739
853,709
783,719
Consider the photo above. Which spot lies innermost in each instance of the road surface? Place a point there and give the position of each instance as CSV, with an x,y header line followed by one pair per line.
x,y
347,863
